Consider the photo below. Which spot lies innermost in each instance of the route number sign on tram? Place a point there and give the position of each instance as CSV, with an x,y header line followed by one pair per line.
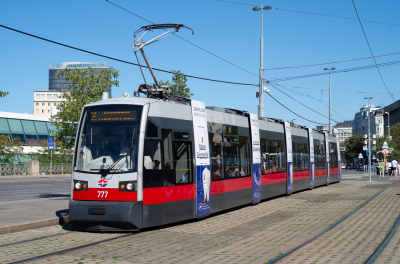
x,y
50,143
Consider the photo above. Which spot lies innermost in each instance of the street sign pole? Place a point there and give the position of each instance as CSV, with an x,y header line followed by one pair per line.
x,y
51,145
51,164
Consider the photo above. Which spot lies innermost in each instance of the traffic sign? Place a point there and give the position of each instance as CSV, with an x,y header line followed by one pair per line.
x,y
50,143
367,152
385,152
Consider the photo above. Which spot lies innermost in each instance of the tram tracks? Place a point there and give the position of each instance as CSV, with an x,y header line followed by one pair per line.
x,y
71,244
371,258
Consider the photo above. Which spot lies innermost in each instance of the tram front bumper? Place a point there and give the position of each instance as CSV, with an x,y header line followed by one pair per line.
x,y
106,216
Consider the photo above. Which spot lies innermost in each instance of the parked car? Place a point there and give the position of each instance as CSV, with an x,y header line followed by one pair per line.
x,y
343,165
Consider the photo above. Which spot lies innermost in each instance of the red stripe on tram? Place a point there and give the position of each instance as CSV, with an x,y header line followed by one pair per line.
x,y
168,194
104,194
230,185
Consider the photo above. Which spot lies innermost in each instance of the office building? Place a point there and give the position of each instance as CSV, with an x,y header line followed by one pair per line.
x,y
57,84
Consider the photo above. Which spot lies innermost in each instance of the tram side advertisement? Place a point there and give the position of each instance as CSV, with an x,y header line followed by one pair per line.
x,y
202,157
327,157
255,138
288,134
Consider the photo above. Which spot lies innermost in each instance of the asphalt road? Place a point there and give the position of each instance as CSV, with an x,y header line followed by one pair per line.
x,y
34,190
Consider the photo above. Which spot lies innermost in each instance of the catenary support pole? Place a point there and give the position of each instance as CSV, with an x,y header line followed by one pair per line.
x,y
261,94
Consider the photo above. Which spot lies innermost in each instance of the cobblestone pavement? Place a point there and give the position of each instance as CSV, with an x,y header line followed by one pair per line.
x,y
249,234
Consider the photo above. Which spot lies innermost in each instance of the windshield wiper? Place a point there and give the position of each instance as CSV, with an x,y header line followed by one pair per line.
x,y
105,172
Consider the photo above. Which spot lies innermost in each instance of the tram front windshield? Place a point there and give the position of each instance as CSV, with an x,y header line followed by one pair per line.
x,y
108,139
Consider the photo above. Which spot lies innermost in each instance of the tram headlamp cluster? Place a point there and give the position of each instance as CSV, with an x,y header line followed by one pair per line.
x,y
127,186
80,185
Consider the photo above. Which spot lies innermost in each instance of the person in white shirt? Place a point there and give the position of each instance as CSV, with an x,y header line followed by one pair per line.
x,y
388,166
394,167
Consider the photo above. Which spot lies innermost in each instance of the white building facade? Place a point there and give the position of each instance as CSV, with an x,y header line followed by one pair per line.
x,y
360,125
343,130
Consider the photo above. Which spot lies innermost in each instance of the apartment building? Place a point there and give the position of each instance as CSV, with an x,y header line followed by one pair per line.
x,y
44,100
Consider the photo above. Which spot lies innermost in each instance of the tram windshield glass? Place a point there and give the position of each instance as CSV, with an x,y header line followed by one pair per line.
x,y
108,139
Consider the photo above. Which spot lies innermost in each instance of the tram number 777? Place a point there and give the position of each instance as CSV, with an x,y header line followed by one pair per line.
x,y
102,194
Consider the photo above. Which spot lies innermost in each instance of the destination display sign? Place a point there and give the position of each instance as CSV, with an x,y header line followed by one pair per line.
x,y
107,116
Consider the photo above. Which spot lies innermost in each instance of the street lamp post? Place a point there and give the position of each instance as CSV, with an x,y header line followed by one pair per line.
x,y
330,101
260,94
369,139
388,125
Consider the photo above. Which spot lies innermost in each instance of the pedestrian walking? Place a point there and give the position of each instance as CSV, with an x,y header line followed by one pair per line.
x,y
382,168
394,167
389,167
398,168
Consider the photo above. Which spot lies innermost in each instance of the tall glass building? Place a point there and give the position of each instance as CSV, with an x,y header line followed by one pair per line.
x,y
56,84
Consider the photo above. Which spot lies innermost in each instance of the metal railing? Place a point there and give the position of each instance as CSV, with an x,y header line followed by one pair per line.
x,y
14,169
57,168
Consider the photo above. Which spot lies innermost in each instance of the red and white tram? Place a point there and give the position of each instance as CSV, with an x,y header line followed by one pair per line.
x,y
142,162
148,161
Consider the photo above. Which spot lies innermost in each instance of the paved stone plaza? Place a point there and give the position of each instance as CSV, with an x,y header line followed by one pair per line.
x,y
250,234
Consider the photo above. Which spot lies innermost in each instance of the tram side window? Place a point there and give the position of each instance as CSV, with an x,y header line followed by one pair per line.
x,y
169,172
216,156
152,171
319,154
273,153
333,155
244,156
230,156
152,130
183,162
300,153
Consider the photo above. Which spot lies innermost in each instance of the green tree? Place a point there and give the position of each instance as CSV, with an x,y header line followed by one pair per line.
x,y
394,143
3,94
9,149
60,154
354,146
86,86
178,85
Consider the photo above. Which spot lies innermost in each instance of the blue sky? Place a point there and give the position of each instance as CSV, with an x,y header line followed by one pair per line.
x,y
230,31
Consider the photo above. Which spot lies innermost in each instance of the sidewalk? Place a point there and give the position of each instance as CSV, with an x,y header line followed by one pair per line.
x,y
28,178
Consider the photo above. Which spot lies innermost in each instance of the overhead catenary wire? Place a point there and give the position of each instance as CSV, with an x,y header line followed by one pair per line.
x,y
369,46
366,67
318,14
299,102
294,112
126,62
187,41
131,63
312,98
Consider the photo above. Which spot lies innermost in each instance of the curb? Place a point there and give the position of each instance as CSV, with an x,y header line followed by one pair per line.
x,y
23,227
35,180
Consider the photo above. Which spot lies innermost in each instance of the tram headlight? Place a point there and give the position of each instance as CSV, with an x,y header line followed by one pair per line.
x,y
127,186
80,185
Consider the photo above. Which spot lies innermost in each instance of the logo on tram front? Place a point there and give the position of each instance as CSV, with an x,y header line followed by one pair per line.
x,y
102,183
